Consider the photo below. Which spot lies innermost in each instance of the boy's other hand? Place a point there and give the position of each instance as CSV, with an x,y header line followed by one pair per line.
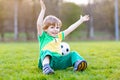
x,y
42,4
84,18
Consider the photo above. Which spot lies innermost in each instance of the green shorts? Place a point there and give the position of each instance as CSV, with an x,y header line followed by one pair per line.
x,y
58,61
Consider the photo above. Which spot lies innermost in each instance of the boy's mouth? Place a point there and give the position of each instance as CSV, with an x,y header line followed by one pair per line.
x,y
54,33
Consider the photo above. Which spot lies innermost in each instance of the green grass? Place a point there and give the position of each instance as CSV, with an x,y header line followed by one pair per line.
x,y
18,61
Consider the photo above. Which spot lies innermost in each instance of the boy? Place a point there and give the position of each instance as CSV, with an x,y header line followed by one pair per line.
x,y
50,37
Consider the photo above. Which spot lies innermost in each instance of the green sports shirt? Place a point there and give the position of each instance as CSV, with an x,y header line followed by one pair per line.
x,y
50,43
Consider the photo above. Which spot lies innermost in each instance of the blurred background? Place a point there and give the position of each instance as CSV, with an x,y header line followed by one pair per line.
x,y
18,19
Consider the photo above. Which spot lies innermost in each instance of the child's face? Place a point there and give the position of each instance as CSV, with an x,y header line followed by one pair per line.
x,y
53,30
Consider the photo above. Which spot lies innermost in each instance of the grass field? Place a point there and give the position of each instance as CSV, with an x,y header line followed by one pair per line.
x,y
18,61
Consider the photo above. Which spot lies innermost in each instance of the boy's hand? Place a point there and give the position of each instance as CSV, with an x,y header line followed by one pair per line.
x,y
42,5
84,18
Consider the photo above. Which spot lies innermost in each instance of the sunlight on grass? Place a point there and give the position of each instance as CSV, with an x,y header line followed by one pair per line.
x,y
19,61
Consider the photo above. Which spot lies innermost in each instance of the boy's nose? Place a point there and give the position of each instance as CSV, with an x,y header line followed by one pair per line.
x,y
56,29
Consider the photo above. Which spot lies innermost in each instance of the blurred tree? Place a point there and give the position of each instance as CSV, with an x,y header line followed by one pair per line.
x,y
16,20
34,17
60,2
28,10
90,32
105,13
116,21
103,16
1,20
70,13
52,7
28,20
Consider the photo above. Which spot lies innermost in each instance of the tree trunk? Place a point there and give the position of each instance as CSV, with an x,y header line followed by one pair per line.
x,y
16,20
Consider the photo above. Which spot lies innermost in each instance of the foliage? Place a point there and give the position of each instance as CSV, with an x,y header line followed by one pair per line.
x,y
103,15
70,13
102,12
18,61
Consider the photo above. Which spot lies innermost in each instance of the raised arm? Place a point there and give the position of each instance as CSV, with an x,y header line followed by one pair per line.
x,y
76,24
40,18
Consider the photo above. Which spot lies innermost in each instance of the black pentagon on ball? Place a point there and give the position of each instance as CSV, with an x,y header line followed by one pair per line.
x,y
61,46
67,49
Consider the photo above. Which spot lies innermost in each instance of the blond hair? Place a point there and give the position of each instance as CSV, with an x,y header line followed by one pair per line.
x,y
51,20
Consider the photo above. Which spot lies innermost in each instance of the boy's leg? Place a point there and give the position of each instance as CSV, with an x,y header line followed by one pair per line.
x,y
66,61
46,67
46,60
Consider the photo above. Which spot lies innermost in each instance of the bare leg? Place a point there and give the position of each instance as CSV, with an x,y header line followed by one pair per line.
x,y
46,60
46,67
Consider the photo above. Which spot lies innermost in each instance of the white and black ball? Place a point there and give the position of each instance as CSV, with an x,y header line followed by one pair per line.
x,y
65,48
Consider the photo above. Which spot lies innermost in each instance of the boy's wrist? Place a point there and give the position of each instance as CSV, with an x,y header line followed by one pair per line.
x,y
81,20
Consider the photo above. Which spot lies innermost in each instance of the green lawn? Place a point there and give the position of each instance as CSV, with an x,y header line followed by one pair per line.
x,y
18,61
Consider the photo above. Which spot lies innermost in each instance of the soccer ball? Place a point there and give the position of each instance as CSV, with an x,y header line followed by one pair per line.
x,y
65,48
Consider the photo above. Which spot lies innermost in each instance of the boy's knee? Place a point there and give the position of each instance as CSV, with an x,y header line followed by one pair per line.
x,y
74,53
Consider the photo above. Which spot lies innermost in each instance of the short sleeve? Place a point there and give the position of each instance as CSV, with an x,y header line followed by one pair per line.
x,y
61,36
41,36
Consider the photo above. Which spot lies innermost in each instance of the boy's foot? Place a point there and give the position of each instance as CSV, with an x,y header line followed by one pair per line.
x,y
47,69
80,65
